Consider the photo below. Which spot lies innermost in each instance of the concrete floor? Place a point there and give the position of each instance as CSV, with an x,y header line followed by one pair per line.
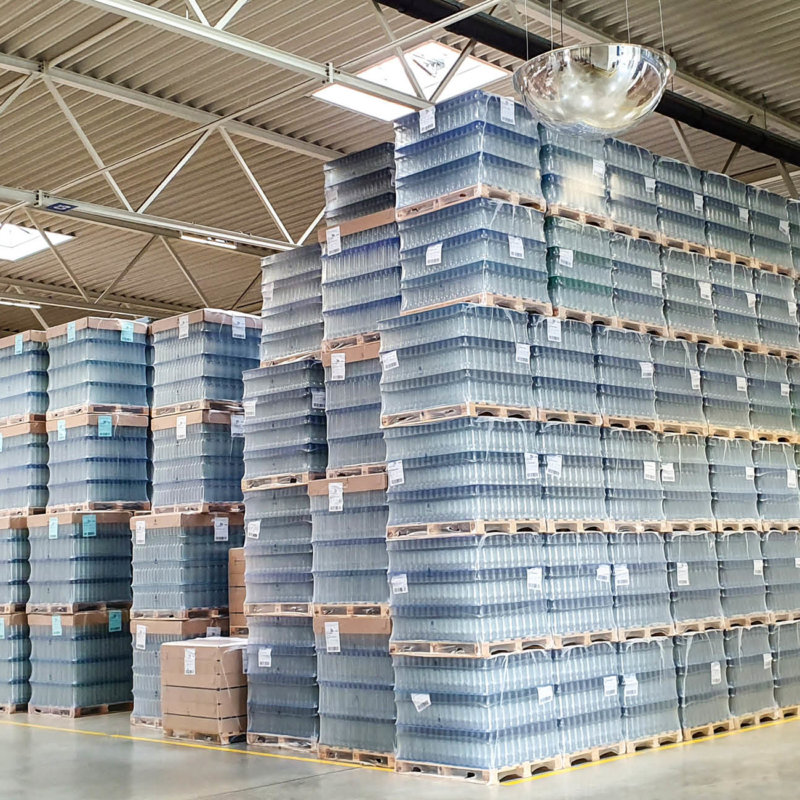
x,y
102,758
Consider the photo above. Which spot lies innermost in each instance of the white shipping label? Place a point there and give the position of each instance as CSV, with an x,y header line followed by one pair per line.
x,y
758,566
213,630
791,478
189,660
420,701
743,214
535,578
237,426
622,575
180,428
694,374
751,299
554,465
141,637
791,307
604,573
268,292
399,583
507,111
656,279
333,241
265,657
545,694
183,327
335,496
698,201
610,684
254,529
683,573
523,353
532,466
650,470
750,473
389,360
598,168
767,660
516,249
797,563
631,683
337,366
396,475
668,472
318,399
650,185
716,673
141,531
427,119
647,368
566,257
741,384
333,643
433,255
220,529
249,408
705,289
239,327
783,227
784,390
553,329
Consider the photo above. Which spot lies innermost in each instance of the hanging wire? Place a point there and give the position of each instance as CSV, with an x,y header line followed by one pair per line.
x,y
661,20
628,19
551,22
562,23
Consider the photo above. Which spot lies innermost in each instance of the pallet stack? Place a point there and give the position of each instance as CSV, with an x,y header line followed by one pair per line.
x,y
181,549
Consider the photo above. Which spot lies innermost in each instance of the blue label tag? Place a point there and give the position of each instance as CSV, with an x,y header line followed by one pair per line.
x,y
90,525
18,344
61,430
56,625
70,331
114,621
52,528
127,331
104,426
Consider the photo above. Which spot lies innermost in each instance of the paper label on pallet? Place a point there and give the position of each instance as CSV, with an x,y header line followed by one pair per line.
x,y
751,299
535,579
399,583
532,466
105,426
126,332
668,472
333,643
337,366
70,331
238,327
18,344
61,430
622,575
433,254
791,478
554,465
267,292
237,426
516,249
598,168
395,471
141,637
318,399
791,307
89,525
114,620
741,384
545,694
610,684
650,185
389,360
683,573
265,657
213,630
784,390
744,215
656,279
141,531
183,327
698,201
55,625
553,329
604,573
254,529
180,428
767,660
631,684
52,528
783,227
508,111
189,660
566,257
335,496
647,368
705,289
650,470
2,628
716,673
333,241
427,119
750,473
421,701
758,566
522,353
220,529
249,408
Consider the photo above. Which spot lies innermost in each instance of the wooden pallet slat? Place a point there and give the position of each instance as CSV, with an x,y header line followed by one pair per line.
x,y
684,244
195,736
488,777
699,625
351,609
277,740
356,470
344,342
757,718
648,632
594,754
99,505
278,610
197,405
469,193
280,481
465,528
491,299
479,650
179,613
199,508
146,722
97,408
21,419
308,354
356,756
577,215
683,428
654,742
13,708
74,608
23,511
709,729
80,711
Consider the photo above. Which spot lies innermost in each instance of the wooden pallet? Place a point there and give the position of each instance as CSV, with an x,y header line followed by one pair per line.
x,y
789,712
748,620
630,423
595,754
634,232
197,405
13,708
786,616
570,417
730,432
757,718
180,613
782,525
353,756
738,525
489,777
648,632
73,608
240,631
588,317
579,526
146,722
699,625
775,269
343,342
12,608
354,471
469,193
587,638
20,419
693,336
683,428
683,244
576,215
638,526
738,344
214,738
23,511
309,354
351,609
455,411
709,729
775,437
275,740
97,408
472,649
278,610
75,713
375,220
492,300
642,327
467,528
653,742
790,354
693,525
119,505
280,481
718,254
199,508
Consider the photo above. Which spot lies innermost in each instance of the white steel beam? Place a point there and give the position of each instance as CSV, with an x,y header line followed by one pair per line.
x,y
126,269
185,272
226,18
788,180
682,141
310,229
35,311
198,12
19,86
325,73
398,51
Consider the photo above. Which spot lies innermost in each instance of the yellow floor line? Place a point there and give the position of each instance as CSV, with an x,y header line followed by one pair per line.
x,y
194,745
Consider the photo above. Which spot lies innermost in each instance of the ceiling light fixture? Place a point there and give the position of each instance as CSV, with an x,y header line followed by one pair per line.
x,y
18,304
18,242
188,237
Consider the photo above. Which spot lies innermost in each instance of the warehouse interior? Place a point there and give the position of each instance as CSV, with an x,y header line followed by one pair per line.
x,y
218,231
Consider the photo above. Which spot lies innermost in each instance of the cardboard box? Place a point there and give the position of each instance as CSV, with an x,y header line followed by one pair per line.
x,y
213,663
205,703
236,595
231,726
236,566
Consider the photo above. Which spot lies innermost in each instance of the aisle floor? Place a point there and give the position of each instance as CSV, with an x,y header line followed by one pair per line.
x,y
102,758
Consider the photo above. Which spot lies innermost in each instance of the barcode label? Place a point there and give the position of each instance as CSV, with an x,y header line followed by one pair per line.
x,y
705,289
180,428
333,643
566,257
532,466
656,279
420,701
647,369
545,694
631,684
622,575
598,168
695,376
698,201
554,465
553,329
399,583
389,360
516,249
254,529
318,398
189,661
141,637
741,384
265,657
751,299
427,119
791,478
743,214
650,470
668,472
213,630
507,111
239,327
716,673
784,390
433,255
249,408
783,227
535,577
141,531
683,573
758,566
523,353
337,366
395,471
220,529
604,573
610,684
767,660
750,473
650,185
333,241
335,496
237,425
183,327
